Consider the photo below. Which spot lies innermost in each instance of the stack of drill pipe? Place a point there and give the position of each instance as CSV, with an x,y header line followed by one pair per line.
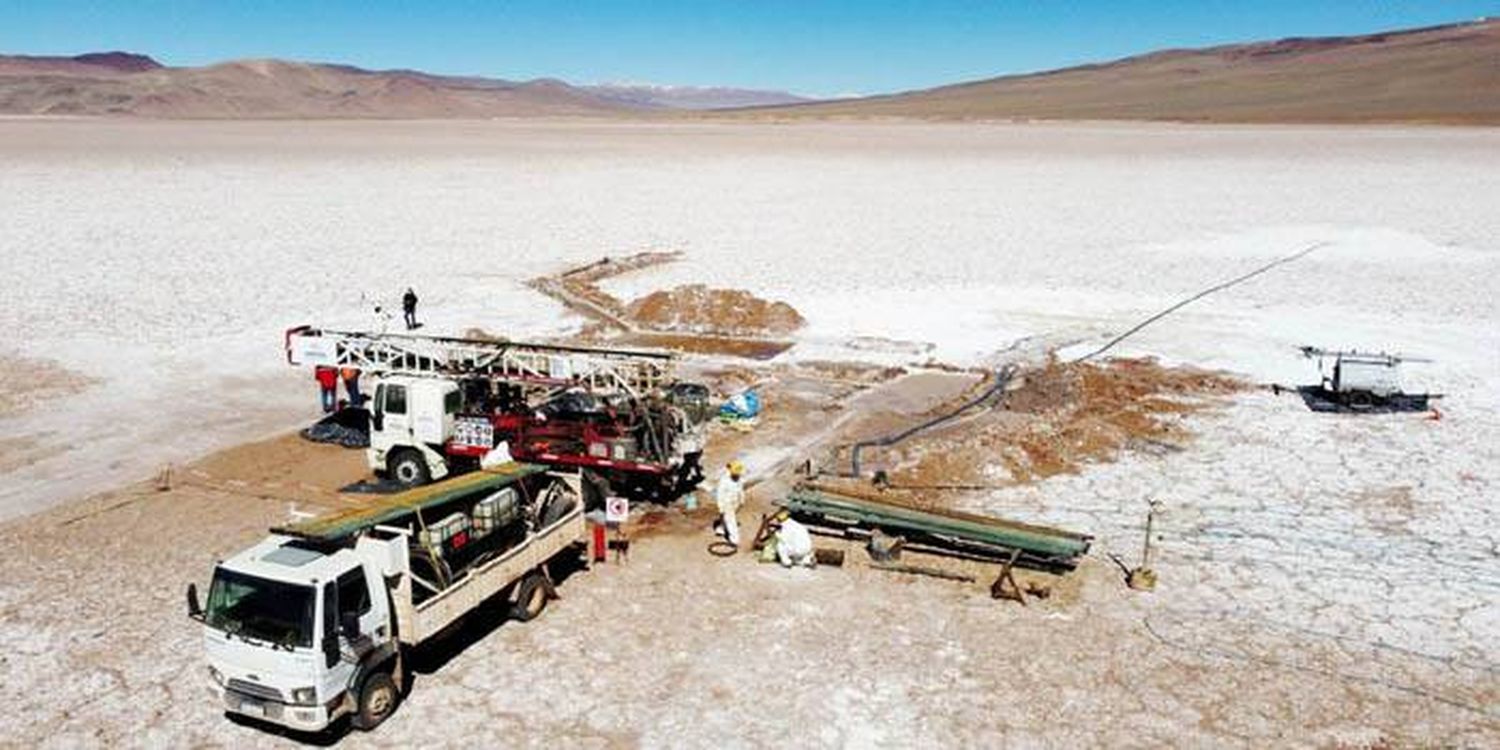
x,y
964,534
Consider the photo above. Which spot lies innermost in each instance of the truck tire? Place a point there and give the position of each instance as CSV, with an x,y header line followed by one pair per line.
x,y
531,598
378,697
408,468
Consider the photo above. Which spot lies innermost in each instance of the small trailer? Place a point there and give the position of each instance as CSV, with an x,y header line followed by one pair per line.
x,y
315,622
1360,382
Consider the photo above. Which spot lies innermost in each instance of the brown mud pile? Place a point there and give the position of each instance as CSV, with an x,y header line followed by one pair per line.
x,y
1062,417
693,318
696,308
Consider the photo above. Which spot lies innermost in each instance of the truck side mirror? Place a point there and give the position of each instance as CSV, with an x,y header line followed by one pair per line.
x,y
195,610
349,625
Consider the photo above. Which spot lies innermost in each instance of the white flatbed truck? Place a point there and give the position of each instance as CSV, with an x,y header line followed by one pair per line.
x,y
315,622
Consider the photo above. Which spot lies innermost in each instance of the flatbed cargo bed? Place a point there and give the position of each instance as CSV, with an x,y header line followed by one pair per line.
x,y
340,525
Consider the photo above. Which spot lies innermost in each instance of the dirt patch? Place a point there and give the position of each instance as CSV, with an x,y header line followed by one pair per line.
x,y
25,383
862,373
479,334
746,348
882,344
23,451
1387,509
286,467
1060,417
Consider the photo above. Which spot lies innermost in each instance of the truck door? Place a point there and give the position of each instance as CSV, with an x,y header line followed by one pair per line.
x,y
433,405
339,668
356,603
392,414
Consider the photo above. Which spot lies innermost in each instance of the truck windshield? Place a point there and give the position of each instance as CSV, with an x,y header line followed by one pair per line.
x,y
252,608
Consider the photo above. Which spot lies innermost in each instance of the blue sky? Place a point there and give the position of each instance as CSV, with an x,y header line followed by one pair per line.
x,y
821,48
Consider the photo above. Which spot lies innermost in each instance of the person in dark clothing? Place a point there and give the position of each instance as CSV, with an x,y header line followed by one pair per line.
x,y
409,305
351,384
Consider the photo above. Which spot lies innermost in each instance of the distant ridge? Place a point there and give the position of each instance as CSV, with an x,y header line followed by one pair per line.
x,y
1437,74
125,84
92,63
691,97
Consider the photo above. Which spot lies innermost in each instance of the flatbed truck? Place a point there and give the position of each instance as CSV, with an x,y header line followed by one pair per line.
x,y
316,621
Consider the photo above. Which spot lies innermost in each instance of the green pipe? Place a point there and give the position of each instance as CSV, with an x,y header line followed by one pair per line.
x,y
966,526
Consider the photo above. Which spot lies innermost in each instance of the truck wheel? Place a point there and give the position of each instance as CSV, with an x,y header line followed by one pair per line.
x,y
531,598
377,701
408,468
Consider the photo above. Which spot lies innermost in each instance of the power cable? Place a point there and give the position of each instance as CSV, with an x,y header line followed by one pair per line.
x,y
1198,296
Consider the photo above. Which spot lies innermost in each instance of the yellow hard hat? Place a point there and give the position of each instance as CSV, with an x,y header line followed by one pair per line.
x,y
735,467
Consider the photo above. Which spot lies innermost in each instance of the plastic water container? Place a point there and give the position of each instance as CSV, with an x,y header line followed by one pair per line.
x,y
446,535
497,511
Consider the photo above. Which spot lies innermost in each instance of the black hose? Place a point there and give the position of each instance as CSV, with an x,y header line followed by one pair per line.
x,y
1002,378
1198,296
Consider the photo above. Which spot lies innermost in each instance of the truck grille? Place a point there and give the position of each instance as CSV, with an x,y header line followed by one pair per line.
x,y
259,692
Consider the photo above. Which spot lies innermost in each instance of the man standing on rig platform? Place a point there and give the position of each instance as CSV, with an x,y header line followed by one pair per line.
x,y
409,305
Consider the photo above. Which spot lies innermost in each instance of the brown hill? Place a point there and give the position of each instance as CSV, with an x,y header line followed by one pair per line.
x,y
1443,74
91,64
122,84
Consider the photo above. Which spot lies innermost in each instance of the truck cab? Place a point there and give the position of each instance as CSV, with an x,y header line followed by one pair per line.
x,y
300,636
411,418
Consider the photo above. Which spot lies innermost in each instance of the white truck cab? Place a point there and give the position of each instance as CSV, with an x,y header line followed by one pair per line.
x,y
410,420
300,637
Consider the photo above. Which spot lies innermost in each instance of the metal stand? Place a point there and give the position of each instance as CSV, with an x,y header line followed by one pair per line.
x,y
1005,586
1143,578
619,542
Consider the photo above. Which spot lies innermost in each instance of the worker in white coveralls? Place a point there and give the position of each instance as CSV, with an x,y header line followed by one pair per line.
x,y
730,495
793,542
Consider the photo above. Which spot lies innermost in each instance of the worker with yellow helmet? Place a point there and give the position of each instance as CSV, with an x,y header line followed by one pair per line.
x,y
730,495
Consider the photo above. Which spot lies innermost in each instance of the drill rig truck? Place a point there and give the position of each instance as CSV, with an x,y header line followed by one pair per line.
x,y
444,406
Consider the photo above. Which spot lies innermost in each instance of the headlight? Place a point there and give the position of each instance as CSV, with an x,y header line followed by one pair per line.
x,y
217,676
305,696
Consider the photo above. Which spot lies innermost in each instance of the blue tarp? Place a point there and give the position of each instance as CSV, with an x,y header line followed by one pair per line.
x,y
744,405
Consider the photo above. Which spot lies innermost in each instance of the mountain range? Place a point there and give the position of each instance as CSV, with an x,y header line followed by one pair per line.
x,y
122,83
1441,74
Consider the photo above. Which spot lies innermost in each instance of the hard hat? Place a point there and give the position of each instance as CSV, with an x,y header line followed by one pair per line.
x,y
736,468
